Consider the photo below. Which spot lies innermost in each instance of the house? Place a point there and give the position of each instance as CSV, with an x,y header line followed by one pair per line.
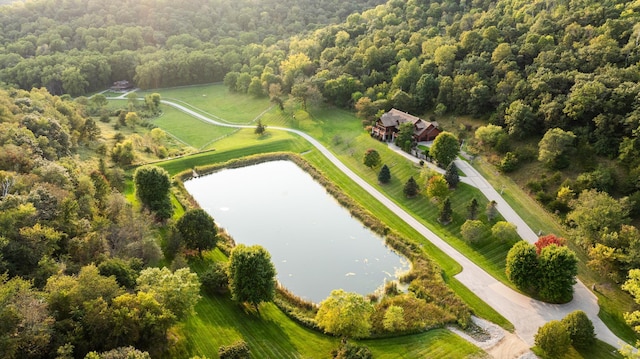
x,y
122,86
387,126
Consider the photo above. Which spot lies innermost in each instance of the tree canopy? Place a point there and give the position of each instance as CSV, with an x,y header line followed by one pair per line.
x,y
345,314
251,275
152,187
445,149
198,230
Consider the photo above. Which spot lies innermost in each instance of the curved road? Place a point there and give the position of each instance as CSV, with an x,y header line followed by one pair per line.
x,y
526,314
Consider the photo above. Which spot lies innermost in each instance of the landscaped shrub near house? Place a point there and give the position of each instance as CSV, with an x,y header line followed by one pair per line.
x,y
580,329
549,274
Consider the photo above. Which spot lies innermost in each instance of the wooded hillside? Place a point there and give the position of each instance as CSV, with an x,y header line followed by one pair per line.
x,y
80,46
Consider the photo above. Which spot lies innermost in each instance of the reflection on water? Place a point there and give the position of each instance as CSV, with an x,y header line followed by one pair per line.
x,y
314,243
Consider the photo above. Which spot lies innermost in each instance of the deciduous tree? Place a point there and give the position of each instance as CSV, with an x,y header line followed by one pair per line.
x,y
522,266
548,240
237,350
437,188
198,230
251,275
152,187
393,320
595,213
580,328
178,291
504,231
445,148
473,230
345,314
558,268
553,338
520,119
404,139
555,148
489,134
371,158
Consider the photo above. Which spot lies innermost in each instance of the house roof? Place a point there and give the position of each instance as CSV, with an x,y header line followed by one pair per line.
x,y
396,117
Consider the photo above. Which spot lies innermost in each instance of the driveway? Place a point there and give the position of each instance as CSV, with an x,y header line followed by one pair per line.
x,y
526,314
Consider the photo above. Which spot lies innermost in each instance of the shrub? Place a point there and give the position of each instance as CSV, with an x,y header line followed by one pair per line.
x,y
237,350
580,329
553,338
215,279
351,351
504,231
522,265
558,268
509,162
473,230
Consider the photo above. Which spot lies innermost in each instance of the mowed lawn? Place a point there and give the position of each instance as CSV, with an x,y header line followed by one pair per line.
x,y
271,334
215,100
190,130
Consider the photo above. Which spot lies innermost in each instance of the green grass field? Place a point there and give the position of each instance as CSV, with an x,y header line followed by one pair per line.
x,y
189,130
270,334
216,100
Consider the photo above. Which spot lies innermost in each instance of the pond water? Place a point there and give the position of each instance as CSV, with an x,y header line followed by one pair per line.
x,y
315,244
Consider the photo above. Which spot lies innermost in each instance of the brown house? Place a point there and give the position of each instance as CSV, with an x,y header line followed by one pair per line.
x,y
387,126
122,86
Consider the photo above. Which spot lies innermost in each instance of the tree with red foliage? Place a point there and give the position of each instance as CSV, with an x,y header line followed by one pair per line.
x,y
548,240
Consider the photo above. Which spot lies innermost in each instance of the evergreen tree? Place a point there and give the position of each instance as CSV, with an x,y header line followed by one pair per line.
x,y
492,210
451,176
260,128
411,188
384,176
446,213
472,208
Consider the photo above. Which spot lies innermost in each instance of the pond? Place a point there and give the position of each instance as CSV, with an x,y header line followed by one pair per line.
x,y
315,244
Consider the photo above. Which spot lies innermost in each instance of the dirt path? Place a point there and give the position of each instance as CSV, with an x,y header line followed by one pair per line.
x,y
510,347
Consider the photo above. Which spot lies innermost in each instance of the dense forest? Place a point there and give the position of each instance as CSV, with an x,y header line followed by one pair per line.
x,y
548,86
79,46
